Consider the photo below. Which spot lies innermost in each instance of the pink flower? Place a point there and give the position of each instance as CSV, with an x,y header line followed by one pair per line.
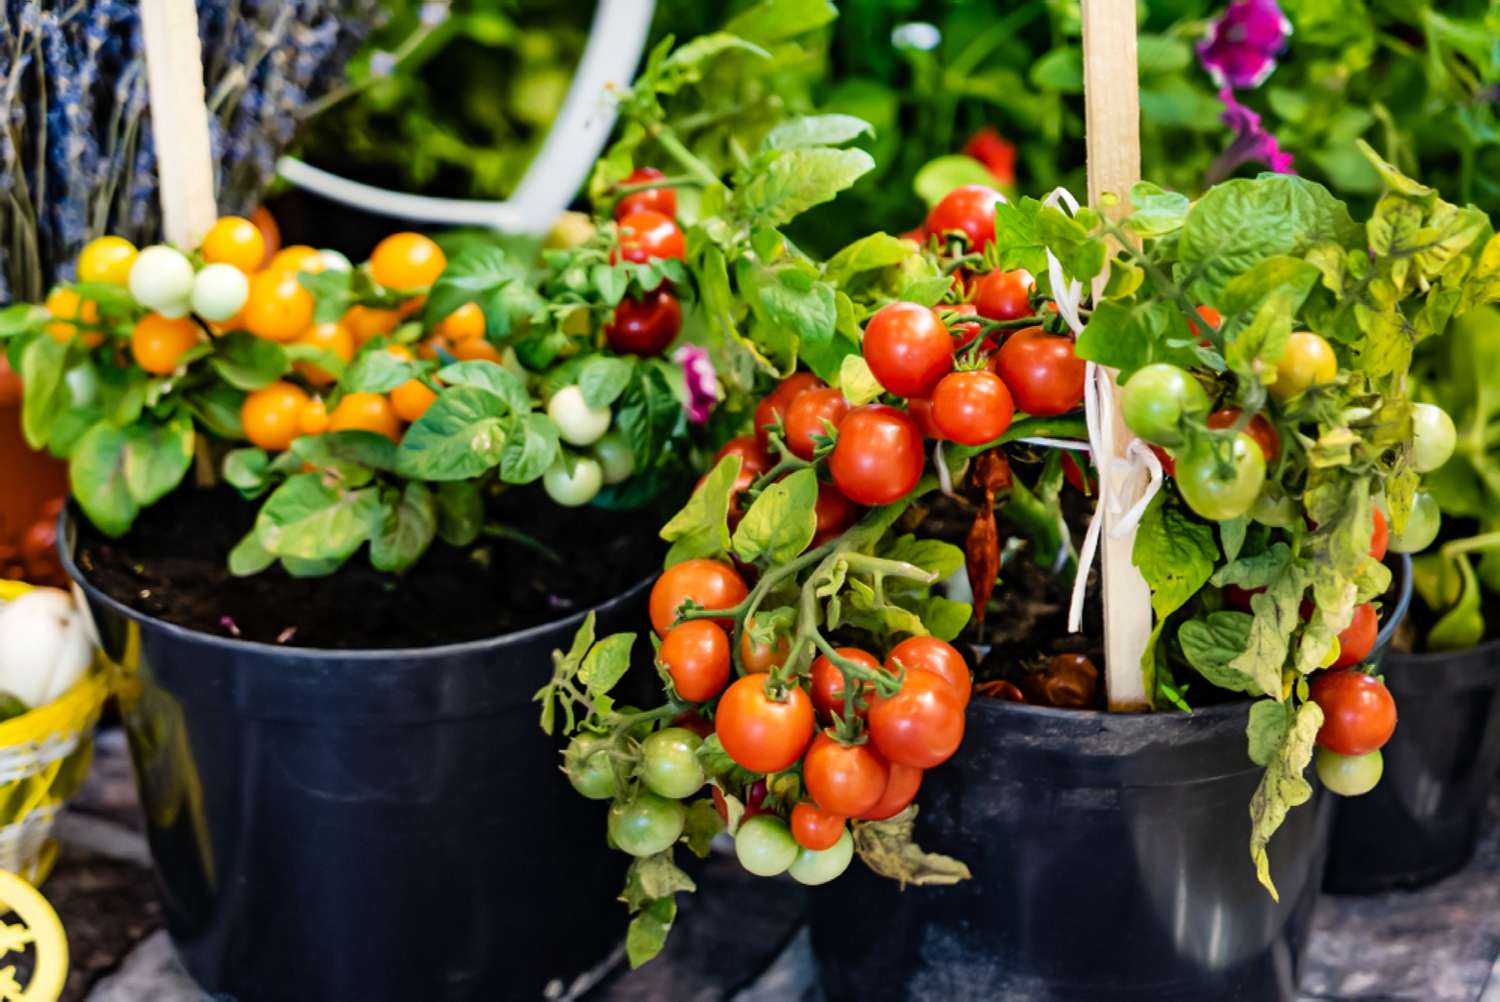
x,y
1251,144
702,381
1242,45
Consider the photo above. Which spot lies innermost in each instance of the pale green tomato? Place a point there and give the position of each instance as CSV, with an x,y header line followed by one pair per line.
x,y
574,484
334,261
815,867
588,768
669,763
647,825
1216,498
1421,525
1157,398
577,422
1433,437
615,456
764,845
219,292
1350,775
161,279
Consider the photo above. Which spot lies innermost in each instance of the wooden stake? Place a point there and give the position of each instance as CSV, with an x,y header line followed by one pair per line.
x,y
1111,91
179,120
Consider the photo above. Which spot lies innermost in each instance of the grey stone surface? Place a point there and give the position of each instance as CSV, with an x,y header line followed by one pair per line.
x,y
741,939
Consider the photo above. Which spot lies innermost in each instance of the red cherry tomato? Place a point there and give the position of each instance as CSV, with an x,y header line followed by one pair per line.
x,y
844,779
878,458
758,732
814,828
713,584
1003,295
772,407
662,200
754,459
908,349
994,151
646,235
806,417
1042,371
920,409
972,408
1085,482
1358,638
900,789
1239,598
1167,460
828,682
645,326
696,654
835,513
1259,429
969,210
966,332
1212,317
1359,714
934,655
1380,535
920,726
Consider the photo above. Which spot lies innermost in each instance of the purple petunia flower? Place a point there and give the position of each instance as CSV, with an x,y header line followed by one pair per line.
x,y
702,381
1252,143
1242,45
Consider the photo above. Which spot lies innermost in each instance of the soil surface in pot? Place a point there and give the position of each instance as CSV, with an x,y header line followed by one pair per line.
x,y
172,565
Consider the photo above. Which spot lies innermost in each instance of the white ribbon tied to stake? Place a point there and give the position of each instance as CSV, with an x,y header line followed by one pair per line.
x,y
1124,473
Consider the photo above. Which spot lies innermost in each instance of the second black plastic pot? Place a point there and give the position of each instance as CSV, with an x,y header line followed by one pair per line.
x,y
1423,821
378,826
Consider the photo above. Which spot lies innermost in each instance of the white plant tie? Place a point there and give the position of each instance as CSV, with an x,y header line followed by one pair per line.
x,y
945,479
1124,472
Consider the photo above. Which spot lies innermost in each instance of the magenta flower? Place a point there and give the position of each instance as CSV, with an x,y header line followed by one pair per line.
x,y
1252,143
1242,45
701,379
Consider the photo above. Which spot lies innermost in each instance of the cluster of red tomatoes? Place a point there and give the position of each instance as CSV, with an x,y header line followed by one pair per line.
x,y
769,724
648,230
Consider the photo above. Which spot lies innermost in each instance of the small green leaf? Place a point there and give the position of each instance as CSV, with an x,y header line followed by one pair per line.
x,y
249,557
404,530
332,291
857,382
798,180
781,522
531,446
1282,787
461,435
602,378
876,251
247,470
247,362
701,528
157,457
606,663
96,475
306,519
45,395
460,511
939,176
375,370
817,130
1211,645
1157,211
490,377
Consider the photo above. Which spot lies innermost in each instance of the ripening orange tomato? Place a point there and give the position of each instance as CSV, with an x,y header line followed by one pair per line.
x,y
335,338
475,349
279,308
365,322
411,399
66,306
366,412
235,240
158,343
272,415
463,323
296,259
404,261
314,417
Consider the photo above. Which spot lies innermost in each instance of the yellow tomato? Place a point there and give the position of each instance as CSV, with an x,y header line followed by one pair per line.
x,y
158,343
1307,362
463,323
279,308
107,260
335,338
235,240
366,412
404,261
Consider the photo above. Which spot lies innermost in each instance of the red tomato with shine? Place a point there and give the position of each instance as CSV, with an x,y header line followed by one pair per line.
x,y
900,789
1085,479
878,458
936,656
1358,638
645,326
814,828
1380,535
920,409
1003,295
1359,714
645,235
1212,318
696,654
908,349
828,682
920,726
713,584
970,210
1042,371
662,200
1260,429
772,408
844,779
758,732
806,417
965,331
972,408
835,513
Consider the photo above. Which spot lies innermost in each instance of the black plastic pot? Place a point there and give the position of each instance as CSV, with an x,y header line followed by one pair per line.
x,y
1110,861
365,825
1423,821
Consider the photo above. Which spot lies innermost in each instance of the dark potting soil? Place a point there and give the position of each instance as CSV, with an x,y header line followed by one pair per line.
x,y
172,565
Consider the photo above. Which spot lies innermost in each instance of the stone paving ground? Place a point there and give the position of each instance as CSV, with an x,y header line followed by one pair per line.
x,y
1439,944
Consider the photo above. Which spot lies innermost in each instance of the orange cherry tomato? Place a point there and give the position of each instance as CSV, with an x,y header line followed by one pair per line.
x,y
366,412
235,240
760,733
158,343
269,231
934,655
411,399
279,308
463,323
815,828
406,261
756,658
713,584
66,306
828,683
844,779
696,654
920,726
296,259
476,349
900,790
365,322
272,415
335,338
314,417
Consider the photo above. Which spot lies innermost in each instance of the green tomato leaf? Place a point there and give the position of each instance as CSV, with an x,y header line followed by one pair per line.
x,y
602,378
249,557
461,435
1211,644
797,180
937,177
404,530
530,447
701,528
816,130
1157,212
306,519
45,397
247,362
218,408
782,521
871,253
776,20
157,457
375,370
22,318
460,512
606,663
857,382
248,471
1283,786
96,476
492,378
332,291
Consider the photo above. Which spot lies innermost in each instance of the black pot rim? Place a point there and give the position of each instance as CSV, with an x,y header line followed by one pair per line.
x,y
67,539
1093,720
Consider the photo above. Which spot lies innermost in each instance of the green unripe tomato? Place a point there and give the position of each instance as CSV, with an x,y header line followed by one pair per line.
x,y
647,825
764,845
587,765
1156,399
574,484
815,867
1217,498
1433,437
219,292
1421,525
1349,775
615,457
577,422
161,279
669,763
